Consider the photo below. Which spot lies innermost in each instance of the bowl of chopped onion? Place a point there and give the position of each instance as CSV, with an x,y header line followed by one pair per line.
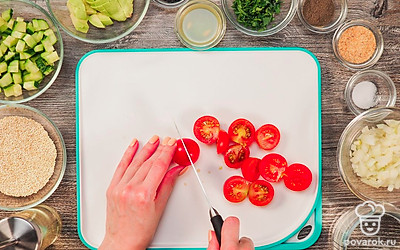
x,y
368,155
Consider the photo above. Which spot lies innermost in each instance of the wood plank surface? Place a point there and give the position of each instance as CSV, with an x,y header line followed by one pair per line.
x,y
156,31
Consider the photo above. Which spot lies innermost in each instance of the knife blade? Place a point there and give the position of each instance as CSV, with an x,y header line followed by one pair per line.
x,y
215,217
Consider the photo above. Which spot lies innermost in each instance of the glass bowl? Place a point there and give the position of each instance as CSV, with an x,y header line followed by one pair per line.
x,y
378,38
59,10
385,90
370,118
339,15
20,203
200,4
287,12
29,10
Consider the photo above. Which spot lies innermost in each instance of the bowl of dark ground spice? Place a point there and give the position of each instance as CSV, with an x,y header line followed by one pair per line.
x,y
170,3
358,44
322,16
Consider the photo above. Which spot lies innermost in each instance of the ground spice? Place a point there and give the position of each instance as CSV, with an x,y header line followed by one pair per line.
x,y
357,44
318,12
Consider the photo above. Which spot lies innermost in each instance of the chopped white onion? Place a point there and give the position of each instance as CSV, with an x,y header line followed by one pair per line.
x,y
375,155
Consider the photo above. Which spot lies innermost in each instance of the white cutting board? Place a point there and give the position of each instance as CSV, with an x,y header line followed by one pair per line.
x,y
136,93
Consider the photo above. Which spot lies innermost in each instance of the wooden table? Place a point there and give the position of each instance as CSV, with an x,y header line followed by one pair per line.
x,y
156,31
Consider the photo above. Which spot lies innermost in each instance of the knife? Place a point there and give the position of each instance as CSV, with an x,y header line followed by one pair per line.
x,y
215,217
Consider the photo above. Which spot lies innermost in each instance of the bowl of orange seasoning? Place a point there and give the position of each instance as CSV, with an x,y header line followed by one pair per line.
x,y
358,44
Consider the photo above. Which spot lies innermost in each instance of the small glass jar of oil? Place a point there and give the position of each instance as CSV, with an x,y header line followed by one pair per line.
x,y
200,24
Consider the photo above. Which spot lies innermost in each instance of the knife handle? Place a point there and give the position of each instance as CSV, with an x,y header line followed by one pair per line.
x,y
217,223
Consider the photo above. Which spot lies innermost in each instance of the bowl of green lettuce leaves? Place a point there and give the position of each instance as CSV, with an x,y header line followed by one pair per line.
x,y
98,21
259,17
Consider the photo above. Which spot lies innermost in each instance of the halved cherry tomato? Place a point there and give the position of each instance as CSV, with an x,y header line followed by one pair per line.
x,y
242,132
235,155
206,129
236,189
261,193
297,177
180,156
250,168
272,167
268,136
222,142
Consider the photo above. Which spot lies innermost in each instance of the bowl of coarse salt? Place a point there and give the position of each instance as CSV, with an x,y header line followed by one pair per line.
x,y
32,157
369,89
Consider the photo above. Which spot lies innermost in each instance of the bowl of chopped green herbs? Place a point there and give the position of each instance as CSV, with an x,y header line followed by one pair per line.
x,y
259,17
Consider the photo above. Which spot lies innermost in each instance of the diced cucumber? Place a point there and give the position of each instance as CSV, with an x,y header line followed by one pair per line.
x,y
38,48
48,70
10,24
33,77
29,28
38,36
20,46
31,66
17,34
20,26
3,48
19,19
31,85
9,56
17,78
40,24
51,58
22,65
7,14
30,41
10,41
6,80
13,67
13,90
24,56
3,67
50,34
3,25
47,44
41,63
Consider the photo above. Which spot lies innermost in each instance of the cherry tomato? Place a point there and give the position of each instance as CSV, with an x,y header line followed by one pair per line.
x,y
268,136
261,193
272,167
236,189
235,155
242,132
206,129
297,177
180,156
250,168
222,142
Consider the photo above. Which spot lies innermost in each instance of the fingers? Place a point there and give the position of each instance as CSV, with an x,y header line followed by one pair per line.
x,y
212,241
165,189
124,163
160,165
144,154
230,232
246,243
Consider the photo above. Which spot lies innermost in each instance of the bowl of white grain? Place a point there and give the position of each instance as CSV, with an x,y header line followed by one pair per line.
x,y
32,157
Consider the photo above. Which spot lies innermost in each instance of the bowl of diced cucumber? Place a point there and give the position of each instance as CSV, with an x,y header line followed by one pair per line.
x,y
31,51
98,21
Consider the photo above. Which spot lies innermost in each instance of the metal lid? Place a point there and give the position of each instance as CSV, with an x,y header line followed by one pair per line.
x,y
18,234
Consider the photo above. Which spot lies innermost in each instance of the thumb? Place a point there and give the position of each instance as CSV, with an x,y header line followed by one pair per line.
x,y
166,186
212,241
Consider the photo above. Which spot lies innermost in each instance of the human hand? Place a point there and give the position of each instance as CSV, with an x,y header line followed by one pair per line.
x,y
138,194
229,237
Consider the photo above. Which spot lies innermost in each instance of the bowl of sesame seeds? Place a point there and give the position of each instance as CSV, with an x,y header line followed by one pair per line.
x,y
32,157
